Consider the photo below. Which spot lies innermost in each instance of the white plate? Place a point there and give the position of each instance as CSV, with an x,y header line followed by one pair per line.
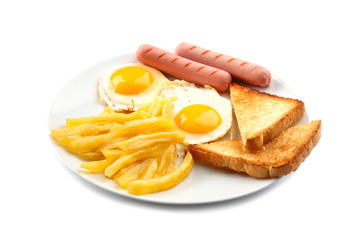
x,y
203,185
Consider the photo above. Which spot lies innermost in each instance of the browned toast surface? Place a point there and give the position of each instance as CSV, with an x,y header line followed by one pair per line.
x,y
277,158
262,116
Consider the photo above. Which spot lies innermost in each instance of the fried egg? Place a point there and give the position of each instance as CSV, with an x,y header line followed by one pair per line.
x,y
130,86
200,112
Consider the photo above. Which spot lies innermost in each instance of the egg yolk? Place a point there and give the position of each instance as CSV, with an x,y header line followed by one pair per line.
x,y
131,80
198,118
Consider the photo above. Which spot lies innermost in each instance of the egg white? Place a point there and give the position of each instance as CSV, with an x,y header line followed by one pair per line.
x,y
189,94
109,96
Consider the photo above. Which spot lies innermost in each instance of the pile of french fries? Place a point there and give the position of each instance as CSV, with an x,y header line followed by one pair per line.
x,y
137,150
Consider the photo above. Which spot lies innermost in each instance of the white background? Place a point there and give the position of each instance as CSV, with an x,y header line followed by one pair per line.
x,y
312,45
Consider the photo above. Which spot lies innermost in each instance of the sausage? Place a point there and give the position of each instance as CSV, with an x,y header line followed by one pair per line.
x,y
239,69
183,68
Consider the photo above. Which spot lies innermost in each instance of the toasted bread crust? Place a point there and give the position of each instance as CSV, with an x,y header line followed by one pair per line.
x,y
257,164
254,138
293,163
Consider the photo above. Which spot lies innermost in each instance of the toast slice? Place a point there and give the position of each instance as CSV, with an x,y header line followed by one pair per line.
x,y
262,116
277,158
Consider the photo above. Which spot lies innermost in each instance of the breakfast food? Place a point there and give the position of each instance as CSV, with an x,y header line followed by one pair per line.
x,y
239,69
137,140
130,86
277,158
200,112
262,116
183,68
127,147
164,182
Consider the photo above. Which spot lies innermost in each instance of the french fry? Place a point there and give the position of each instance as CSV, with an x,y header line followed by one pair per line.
x,y
170,169
106,118
97,166
95,129
63,135
144,107
165,160
61,139
143,126
92,156
143,141
111,144
123,170
171,99
138,150
156,107
150,170
168,110
89,143
133,173
175,157
112,153
127,159
139,187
